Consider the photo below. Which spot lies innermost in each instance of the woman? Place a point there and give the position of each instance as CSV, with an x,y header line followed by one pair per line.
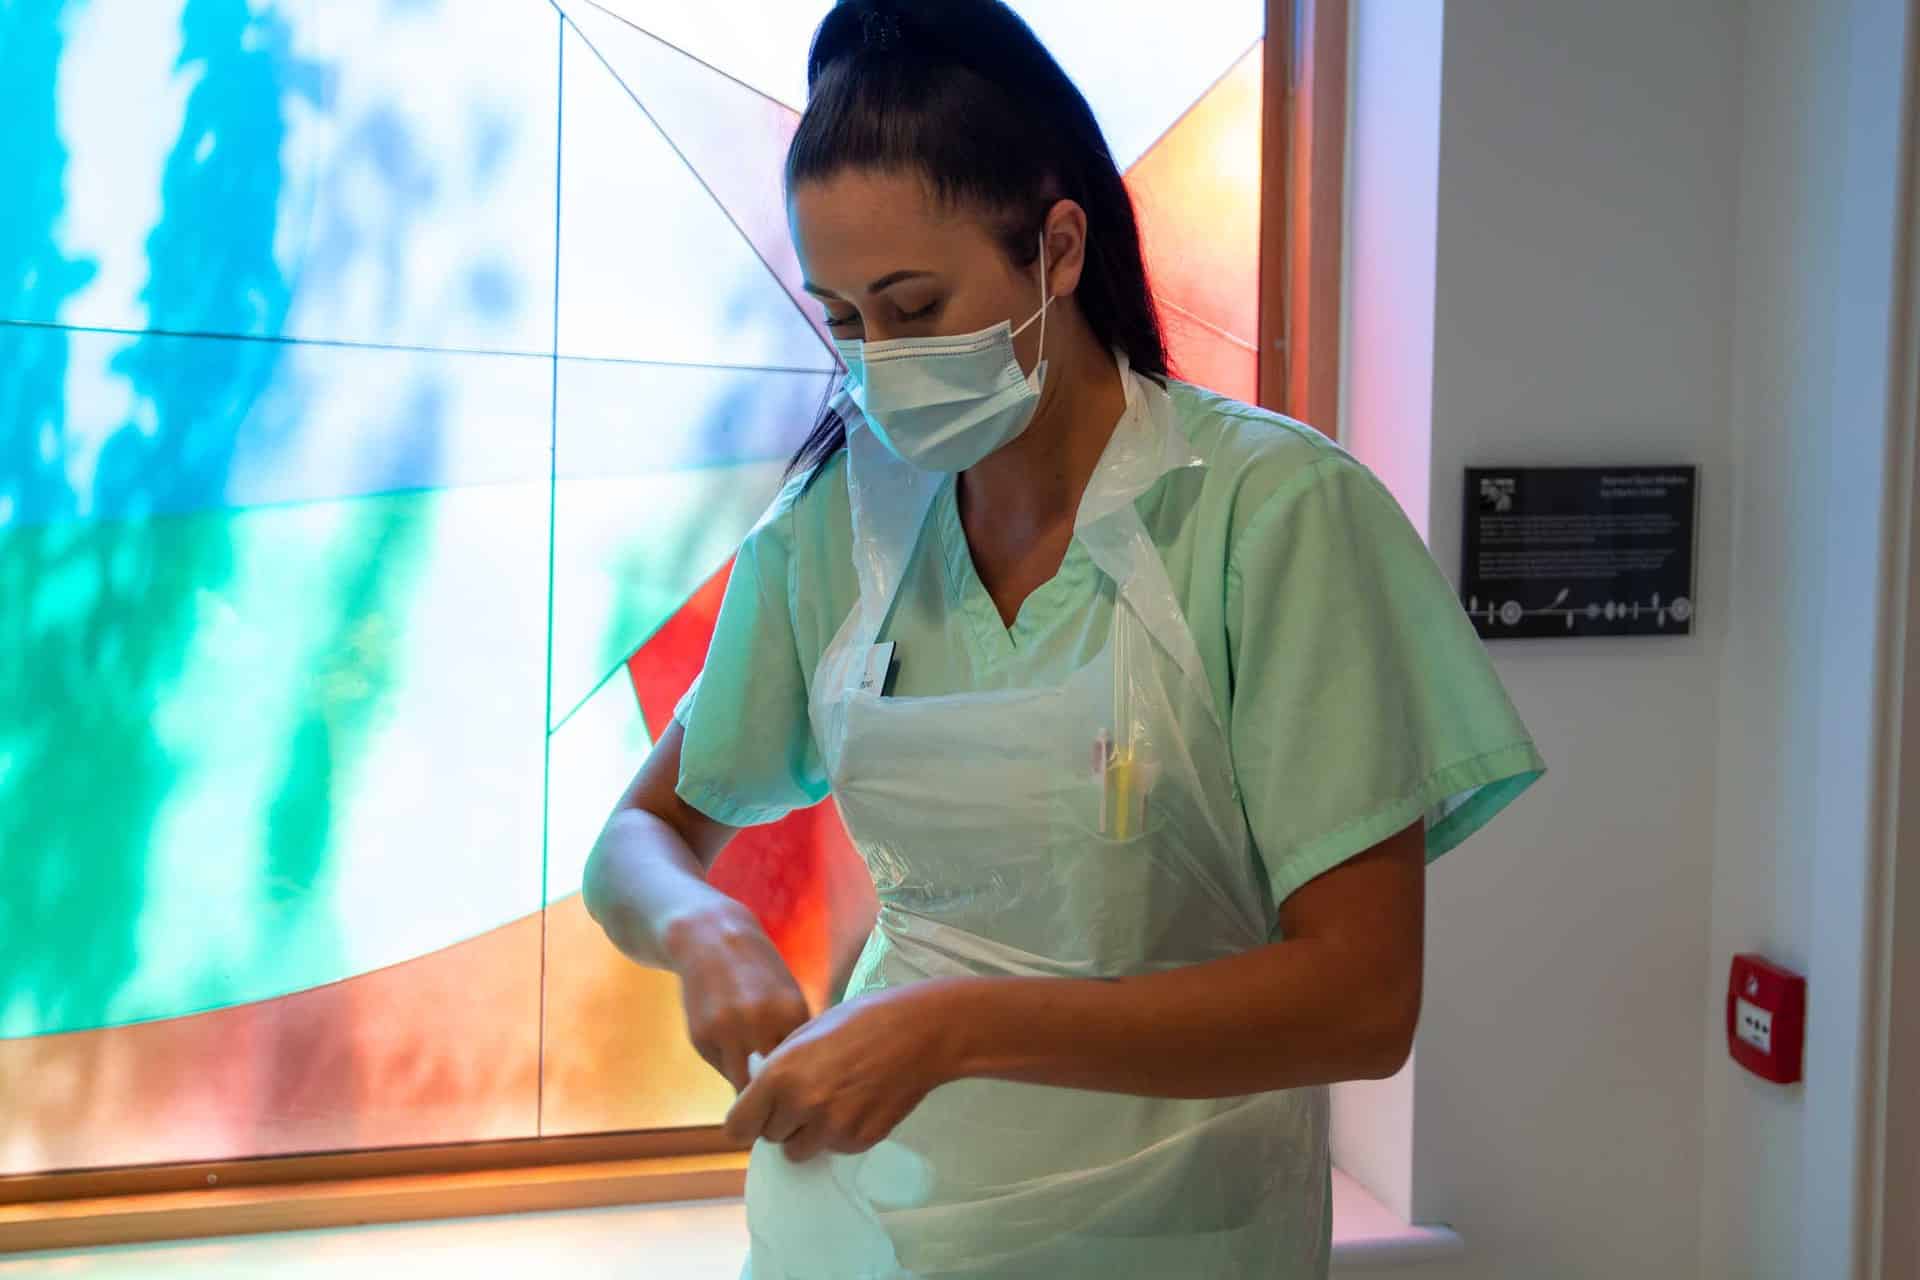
x,y
1145,708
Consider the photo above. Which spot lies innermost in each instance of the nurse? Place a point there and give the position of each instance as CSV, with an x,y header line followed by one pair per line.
x,y
1146,709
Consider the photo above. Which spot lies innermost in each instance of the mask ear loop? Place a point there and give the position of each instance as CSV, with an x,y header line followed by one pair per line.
x,y
1046,299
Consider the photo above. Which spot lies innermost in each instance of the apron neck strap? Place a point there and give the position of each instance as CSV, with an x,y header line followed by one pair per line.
x,y
1146,444
890,500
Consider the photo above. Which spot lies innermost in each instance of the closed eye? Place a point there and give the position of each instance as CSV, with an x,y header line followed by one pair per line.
x,y
905,317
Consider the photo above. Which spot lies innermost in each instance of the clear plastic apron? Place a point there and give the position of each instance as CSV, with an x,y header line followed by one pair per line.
x,y
1091,829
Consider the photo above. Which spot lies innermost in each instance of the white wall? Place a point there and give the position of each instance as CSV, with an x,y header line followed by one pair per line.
x,y
1815,263
1580,313
1584,279
1393,169
1393,161
1656,231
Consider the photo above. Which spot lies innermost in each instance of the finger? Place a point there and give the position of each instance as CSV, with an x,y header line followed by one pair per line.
x,y
856,1143
806,1143
747,1119
772,1035
784,1122
798,1013
733,1065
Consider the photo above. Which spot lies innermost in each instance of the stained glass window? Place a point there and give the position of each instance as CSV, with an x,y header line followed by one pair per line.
x,y
384,389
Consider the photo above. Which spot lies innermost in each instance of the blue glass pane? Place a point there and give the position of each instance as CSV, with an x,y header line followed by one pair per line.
x,y
160,425
732,136
762,43
651,267
277,169
662,471
624,419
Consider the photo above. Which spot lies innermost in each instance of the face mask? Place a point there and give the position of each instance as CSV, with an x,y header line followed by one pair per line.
x,y
943,404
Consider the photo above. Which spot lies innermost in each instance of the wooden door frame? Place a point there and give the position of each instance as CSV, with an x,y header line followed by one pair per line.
x,y
1894,1139
1891,1146
1303,208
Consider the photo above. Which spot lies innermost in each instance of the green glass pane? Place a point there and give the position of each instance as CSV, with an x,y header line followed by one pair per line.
x,y
595,754
243,754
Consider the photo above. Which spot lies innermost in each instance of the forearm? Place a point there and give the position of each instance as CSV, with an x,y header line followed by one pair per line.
x,y
1282,1016
645,887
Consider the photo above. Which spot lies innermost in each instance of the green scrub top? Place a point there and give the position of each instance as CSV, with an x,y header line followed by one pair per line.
x,y
1356,695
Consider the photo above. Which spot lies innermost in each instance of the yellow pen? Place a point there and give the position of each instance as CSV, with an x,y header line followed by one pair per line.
x,y
1120,787
1102,755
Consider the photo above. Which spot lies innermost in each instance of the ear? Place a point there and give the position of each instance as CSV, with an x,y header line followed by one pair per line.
x,y
1065,230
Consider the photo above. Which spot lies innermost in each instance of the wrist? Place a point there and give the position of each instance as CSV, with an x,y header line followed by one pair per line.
x,y
965,1039
696,931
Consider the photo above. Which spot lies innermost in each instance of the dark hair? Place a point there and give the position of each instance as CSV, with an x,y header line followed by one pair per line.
x,y
963,92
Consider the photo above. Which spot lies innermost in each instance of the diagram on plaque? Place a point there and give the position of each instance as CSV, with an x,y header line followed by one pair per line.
x,y
1578,551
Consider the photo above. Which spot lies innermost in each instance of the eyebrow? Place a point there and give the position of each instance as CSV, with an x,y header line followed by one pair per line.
x,y
885,282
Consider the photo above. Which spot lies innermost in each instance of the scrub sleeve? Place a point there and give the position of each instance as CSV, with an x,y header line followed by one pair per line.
x,y
1362,698
748,755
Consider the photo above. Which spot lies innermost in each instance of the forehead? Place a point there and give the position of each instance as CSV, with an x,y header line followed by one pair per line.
x,y
859,225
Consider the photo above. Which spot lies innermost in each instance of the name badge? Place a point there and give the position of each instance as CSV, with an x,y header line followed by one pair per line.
x,y
875,678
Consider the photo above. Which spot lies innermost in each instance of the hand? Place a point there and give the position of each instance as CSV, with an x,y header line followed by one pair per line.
x,y
843,1081
739,995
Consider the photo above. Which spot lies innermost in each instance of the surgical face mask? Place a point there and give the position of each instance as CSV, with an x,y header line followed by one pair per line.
x,y
943,404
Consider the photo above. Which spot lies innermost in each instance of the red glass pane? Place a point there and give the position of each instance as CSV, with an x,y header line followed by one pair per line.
x,y
801,875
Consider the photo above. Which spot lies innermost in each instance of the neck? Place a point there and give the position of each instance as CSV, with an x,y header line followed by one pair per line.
x,y
1034,483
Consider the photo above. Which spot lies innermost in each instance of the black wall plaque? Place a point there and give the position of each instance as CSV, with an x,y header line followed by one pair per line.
x,y
1579,551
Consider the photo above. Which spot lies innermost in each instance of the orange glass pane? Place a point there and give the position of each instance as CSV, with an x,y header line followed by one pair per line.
x,y
617,1055
1209,358
443,1048
1197,193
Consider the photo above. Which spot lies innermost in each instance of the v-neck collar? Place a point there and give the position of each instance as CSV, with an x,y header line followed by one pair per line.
x,y
974,602
1145,446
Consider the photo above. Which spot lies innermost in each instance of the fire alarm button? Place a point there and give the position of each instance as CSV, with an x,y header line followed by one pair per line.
x,y
1766,1018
